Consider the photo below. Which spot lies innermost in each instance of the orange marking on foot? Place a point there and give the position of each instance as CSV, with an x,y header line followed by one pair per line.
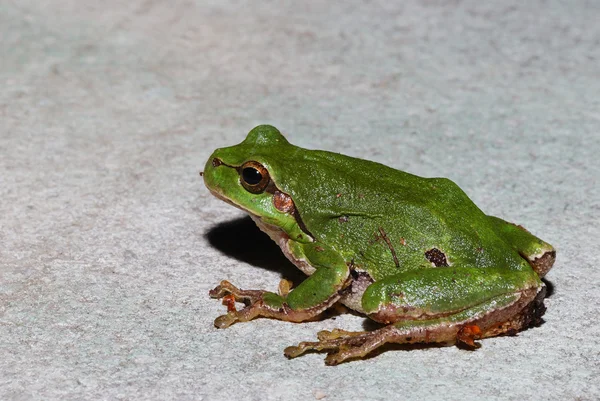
x,y
229,301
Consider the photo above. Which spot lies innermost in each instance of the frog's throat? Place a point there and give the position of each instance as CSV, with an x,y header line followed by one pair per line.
x,y
282,240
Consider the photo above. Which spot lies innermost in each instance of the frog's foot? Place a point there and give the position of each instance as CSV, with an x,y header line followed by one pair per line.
x,y
262,303
342,345
230,295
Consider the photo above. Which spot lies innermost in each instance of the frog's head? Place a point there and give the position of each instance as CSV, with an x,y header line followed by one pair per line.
x,y
244,175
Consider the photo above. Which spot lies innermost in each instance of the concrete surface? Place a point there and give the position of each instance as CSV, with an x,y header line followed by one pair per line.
x,y
109,242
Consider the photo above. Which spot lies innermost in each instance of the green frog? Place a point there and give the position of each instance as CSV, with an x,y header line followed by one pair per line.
x,y
414,254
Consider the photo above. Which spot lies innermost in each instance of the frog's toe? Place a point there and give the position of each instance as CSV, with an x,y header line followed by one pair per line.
x,y
295,350
307,346
358,345
225,288
225,321
244,315
337,333
344,354
222,290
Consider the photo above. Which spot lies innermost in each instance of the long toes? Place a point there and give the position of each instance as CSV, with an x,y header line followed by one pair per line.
x,y
335,358
350,350
334,341
341,345
338,334
294,351
217,292
223,289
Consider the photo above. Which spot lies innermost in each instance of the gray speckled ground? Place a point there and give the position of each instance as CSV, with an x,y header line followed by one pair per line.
x,y
109,242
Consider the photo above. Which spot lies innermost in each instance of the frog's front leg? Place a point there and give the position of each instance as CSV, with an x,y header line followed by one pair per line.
x,y
442,305
314,295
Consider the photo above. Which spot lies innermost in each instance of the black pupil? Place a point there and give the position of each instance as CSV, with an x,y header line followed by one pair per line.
x,y
251,175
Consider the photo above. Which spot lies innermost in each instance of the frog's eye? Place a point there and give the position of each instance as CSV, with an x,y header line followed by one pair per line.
x,y
254,177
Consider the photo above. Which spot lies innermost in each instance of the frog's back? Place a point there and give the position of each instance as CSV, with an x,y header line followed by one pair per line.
x,y
386,221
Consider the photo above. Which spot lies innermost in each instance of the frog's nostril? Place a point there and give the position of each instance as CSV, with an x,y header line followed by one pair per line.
x,y
216,162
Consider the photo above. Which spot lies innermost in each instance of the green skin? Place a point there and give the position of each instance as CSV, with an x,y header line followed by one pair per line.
x,y
356,218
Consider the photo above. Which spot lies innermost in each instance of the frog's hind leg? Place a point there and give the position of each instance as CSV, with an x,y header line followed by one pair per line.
x,y
417,314
538,253
343,345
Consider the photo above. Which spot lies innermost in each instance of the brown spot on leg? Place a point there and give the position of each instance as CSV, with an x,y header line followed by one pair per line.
x,y
437,257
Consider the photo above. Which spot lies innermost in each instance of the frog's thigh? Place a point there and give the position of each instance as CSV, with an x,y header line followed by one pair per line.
x,y
434,305
538,253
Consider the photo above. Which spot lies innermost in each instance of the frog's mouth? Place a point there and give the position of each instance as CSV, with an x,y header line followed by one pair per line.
x,y
232,203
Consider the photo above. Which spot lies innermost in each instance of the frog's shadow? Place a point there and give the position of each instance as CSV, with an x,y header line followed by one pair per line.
x,y
549,287
241,239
